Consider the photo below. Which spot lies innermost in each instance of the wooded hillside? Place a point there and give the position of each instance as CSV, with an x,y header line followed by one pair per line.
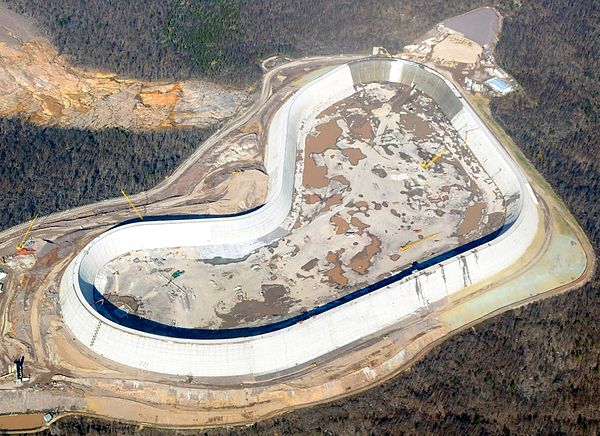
x,y
47,169
225,39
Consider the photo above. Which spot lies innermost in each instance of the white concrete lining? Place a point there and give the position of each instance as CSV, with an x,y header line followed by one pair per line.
x,y
236,236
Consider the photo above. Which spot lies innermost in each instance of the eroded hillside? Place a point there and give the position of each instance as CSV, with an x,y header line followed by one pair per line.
x,y
39,84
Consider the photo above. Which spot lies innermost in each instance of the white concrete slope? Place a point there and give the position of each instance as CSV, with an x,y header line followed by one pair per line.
x,y
232,237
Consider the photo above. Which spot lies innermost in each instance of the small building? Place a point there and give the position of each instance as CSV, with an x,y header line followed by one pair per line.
x,y
499,86
472,85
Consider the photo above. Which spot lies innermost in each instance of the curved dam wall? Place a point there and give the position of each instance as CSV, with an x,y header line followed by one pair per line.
x,y
237,236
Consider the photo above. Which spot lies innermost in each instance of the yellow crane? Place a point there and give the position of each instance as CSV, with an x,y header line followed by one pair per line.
x,y
434,158
418,241
20,245
132,205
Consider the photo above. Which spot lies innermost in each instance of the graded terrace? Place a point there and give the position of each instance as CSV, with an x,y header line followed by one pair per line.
x,y
386,194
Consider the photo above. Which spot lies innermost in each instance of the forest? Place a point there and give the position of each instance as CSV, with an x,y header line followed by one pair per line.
x,y
224,39
533,370
47,169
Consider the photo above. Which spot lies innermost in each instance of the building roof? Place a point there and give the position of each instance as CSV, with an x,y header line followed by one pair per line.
x,y
498,85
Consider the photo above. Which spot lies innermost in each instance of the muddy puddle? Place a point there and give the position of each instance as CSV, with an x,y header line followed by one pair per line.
x,y
341,225
362,261
421,128
472,217
355,155
22,422
327,135
276,303
336,274
334,200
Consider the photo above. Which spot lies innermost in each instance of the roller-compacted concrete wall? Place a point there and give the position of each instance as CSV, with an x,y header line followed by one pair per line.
x,y
237,236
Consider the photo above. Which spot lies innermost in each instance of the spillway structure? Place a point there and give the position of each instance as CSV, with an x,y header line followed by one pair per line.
x,y
284,346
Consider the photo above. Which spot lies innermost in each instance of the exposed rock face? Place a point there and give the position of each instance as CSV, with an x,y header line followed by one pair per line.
x,y
38,83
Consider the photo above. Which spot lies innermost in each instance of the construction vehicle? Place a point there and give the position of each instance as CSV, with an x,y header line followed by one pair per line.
x,y
20,376
21,245
433,159
418,241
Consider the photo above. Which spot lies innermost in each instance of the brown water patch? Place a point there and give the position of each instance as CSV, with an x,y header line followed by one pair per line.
x,y
402,97
421,128
395,257
366,130
362,261
310,264
22,422
332,201
336,275
325,139
361,127
331,257
359,225
276,303
331,110
355,155
313,175
343,180
341,225
495,221
471,220
311,198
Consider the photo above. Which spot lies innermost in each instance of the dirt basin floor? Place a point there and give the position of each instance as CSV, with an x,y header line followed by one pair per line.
x,y
384,181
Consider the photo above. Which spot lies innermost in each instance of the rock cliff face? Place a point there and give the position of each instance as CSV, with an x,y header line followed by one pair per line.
x,y
39,84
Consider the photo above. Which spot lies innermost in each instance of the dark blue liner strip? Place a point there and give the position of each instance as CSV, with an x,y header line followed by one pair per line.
x,y
136,322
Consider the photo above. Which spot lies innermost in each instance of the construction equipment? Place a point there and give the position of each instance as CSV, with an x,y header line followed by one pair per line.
x,y
25,250
132,205
434,158
20,376
20,245
418,241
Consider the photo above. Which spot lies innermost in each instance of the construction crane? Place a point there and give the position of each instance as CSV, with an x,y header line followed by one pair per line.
x,y
20,245
434,158
132,205
418,241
